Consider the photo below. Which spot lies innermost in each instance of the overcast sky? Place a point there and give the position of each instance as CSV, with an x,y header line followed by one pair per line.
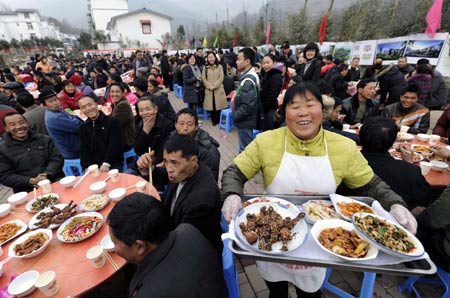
x,y
75,11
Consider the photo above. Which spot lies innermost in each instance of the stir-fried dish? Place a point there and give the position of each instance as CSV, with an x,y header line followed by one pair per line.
x,y
318,210
347,209
385,233
43,202
8,230
269,227
33,243
343,242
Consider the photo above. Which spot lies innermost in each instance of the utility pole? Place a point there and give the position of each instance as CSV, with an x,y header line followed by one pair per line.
x,y
228,17
217,19
267,9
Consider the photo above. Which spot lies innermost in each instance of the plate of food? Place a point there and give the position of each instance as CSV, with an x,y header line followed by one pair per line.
x,y
264,199
318,210
338,238
398,155
11,229
271,228
41,202
94,202
387,235
345,207
403,136
79,227
30,244
53,216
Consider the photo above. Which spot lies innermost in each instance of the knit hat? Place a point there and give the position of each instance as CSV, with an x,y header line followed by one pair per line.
x,y
76,80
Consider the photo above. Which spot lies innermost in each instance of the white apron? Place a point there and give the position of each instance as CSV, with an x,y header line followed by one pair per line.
x,y
300,175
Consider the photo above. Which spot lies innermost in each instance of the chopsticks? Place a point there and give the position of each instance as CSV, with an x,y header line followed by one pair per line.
x,y
18,209
82,178
150,178
130,187
110,260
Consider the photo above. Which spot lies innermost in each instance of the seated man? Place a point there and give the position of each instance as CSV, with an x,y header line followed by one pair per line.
x,y
34,114
193,195
361,105
408,112
100,141
63,128
178,263
27,157
377,136
208,154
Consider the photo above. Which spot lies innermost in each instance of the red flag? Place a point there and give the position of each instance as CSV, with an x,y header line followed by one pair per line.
x,y
268,33
323,25
434,18
235,39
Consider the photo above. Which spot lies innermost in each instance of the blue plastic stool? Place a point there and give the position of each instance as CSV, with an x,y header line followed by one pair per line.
x,y
127,155
229,271
228,125
256,132
202,113
366,287
179,91
72,167
444,276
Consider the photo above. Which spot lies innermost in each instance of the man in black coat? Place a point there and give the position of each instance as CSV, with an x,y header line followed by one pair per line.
x,y
100,141
27,157
178,263
138,62
193,196
377,136
166,71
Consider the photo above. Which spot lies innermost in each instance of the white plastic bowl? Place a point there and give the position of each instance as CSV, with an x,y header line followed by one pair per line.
x,y
438,166
68,181
5,209
98,187
423,137
107,243
117,194
18,198
23,284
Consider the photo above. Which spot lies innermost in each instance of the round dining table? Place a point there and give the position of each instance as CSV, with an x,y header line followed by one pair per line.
x,y
74,273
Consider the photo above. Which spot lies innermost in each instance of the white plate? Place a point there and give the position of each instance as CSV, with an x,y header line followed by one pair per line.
x,y
23,228
61,228
263,199
416,253
402,136
22,238
82,206
321,225
335,198
28,206
300,230
34,220
23,284
317,204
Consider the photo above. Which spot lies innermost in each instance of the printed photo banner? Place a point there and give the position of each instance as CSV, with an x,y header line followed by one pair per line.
x,y
327,48
365,51
343,50
421,46
391,49
443,66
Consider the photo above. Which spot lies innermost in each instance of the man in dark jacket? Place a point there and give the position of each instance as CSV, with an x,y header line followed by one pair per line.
x,y
392,82
100,138
34,114
404,67
27,157
354,73
208,154
361,105
245,112
166,71
178,263
377,136
193,196
138,62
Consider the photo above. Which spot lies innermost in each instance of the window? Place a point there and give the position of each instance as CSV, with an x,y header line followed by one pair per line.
x,y
30,26
26,15
32,36
146,26
17,24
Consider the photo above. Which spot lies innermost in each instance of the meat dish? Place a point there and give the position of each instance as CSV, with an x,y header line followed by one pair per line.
x,y
56,216
343,242
347,209
33,243
269,227
8,230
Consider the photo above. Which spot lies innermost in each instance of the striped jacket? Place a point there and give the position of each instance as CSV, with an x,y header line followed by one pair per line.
x,y
416,117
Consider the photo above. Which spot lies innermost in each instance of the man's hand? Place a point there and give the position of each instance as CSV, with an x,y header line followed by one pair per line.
x,y
440,151
404,217
231,207
39,177
104,168
407,154
145,161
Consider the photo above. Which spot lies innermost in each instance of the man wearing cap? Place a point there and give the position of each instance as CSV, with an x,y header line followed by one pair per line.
x,y
8,90
139,61
286,53
27,157
63,128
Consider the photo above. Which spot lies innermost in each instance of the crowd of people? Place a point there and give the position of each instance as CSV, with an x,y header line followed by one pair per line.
x,y
301,103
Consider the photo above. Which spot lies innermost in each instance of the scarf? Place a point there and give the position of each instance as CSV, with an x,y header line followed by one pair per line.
x,y
308,64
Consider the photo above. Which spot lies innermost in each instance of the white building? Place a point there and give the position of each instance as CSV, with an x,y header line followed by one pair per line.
x,y
20,24
100,12
140,28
